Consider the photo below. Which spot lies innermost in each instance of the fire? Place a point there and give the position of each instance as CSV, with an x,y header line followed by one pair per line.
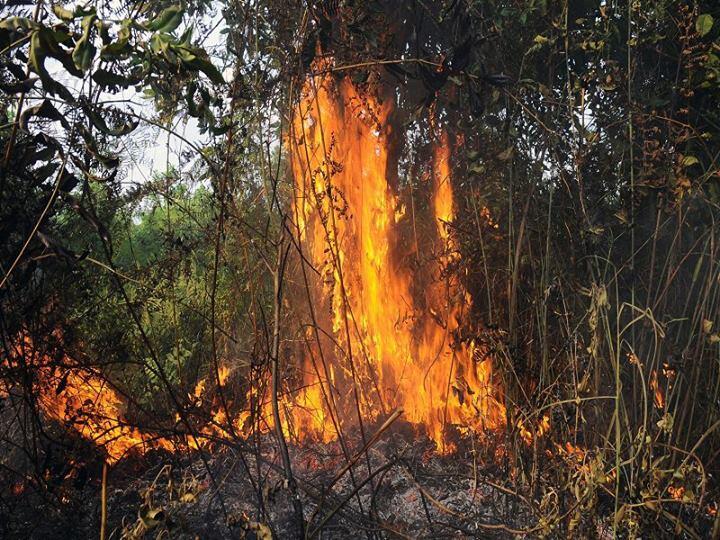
x,y
572,451
529,432
658,396
199,389
389,311
96,412
676,492
443,206
395,328
86,403
223,375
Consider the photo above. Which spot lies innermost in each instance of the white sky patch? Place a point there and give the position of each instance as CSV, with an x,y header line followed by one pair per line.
x,y
149,150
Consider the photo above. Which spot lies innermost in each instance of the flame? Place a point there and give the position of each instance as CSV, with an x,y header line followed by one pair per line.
x,y
199,389
572,451
443,206
85,402
676,492
223,375
395,328
390,320
530,432
658,396
97,412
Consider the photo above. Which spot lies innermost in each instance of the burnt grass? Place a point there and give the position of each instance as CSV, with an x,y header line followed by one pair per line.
x,y
229,493
400,488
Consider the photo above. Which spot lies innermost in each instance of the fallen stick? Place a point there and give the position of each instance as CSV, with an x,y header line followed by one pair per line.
x,y
376,436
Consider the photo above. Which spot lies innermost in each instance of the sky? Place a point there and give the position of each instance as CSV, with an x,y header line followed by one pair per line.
x,y
148,150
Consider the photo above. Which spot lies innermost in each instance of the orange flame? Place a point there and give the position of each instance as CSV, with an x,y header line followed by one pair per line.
x,y
529,432
85,402
97,413
393,322
395,328
658,396
676,492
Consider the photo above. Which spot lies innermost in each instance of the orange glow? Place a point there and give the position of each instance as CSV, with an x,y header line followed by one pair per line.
x,y
96,412
676,493
528,433
390,317
199,389
223,375
443,205
572,451
579,459
86,403
658,396
395,329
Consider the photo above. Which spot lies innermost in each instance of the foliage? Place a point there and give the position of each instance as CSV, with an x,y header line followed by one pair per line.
x,y
588,131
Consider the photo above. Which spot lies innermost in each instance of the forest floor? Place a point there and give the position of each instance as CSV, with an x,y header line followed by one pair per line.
x,y
411,492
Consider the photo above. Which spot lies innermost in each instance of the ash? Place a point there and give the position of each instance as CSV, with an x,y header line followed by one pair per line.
x,y
400,488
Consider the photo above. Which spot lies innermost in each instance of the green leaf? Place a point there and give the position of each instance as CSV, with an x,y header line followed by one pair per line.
x,y
44,172
121,46
40,48
18,24
11,27
68,16
160,43
196,59
221,129
107,78
20,86
103,30
62,13
704,24
45,109
45,42
168,20
690,160
186,38
84,51
190,99
99,122
91,145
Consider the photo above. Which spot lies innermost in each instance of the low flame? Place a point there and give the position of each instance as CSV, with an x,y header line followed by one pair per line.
x,y
85,402
658,396
97,413
529,433
676,492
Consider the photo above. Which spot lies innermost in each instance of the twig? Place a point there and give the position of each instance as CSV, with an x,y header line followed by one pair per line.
x,y
103,502
283,250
